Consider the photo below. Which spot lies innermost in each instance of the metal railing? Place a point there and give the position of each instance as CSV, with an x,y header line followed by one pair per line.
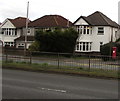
x,y
65,60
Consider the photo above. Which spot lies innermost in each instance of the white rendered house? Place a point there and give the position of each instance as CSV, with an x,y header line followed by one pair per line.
x,y
95,30
45,23
12,29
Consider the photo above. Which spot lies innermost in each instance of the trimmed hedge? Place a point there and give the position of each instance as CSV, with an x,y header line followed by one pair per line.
x,y
107,48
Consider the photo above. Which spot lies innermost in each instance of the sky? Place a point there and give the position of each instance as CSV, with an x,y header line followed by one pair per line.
x,y
70,9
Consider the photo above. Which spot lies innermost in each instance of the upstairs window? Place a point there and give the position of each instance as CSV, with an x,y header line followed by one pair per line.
x,y
84,30
100,30
9,31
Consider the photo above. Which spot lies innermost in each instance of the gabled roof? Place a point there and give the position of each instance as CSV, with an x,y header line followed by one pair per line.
x,y
98,19
50,21
18,22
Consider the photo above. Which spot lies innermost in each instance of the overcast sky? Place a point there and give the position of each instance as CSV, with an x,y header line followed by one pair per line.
x,y
70,9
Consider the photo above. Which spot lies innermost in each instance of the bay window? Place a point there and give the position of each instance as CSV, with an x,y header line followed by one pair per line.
x,y
83,46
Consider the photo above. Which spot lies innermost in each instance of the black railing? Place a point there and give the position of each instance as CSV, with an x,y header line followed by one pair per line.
x,y
64,60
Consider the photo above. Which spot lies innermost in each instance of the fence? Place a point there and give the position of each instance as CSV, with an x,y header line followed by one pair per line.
x,y
64,60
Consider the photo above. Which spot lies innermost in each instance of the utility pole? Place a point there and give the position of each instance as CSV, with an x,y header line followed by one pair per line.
x,y
25,47
119,12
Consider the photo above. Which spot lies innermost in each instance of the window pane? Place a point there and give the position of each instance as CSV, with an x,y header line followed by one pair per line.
x,y
90,45
100,30
15,32
84,30
87,31
83,46
87,44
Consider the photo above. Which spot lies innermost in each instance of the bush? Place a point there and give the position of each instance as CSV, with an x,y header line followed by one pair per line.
x,y
57,40
35,46
118,50
107,49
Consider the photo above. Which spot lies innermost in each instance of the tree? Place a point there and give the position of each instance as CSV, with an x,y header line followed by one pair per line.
x,y
57,40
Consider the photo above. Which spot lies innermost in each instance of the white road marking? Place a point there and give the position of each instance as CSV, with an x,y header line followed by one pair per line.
x,y
56,90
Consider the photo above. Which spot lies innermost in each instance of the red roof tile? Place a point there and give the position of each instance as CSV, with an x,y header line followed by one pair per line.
x,y
50,21
19,22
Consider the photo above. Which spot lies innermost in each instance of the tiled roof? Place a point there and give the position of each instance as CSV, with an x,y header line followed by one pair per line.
x,y
22,38
98,19
51,21
18,22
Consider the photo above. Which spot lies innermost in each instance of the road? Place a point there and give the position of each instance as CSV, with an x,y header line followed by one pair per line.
x,y
32,85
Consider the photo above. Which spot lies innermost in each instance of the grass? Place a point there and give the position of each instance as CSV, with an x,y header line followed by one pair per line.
x,y
62,69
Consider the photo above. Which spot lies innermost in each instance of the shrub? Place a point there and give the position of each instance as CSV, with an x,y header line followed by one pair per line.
x,y
107,48
57,40
35,46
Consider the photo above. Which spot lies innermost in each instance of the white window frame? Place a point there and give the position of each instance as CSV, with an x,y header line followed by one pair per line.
x,y
100,30
83,46
85,30
9,31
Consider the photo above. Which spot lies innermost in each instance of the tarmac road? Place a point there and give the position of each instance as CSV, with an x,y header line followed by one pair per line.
x,y
31,85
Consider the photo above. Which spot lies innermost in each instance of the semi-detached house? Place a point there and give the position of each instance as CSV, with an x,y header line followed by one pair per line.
x,y
95,30
11,29
49,23
45,23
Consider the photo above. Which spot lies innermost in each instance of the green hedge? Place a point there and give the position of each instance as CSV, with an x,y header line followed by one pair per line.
x,y
57,40
107,49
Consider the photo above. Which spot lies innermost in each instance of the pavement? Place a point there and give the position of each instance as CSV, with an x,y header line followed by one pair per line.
x,y
17,84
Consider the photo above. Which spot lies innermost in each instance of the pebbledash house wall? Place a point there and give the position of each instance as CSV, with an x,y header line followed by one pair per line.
x,y
95,39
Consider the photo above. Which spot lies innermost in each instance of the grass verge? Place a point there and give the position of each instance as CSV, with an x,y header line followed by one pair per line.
x,y
64,69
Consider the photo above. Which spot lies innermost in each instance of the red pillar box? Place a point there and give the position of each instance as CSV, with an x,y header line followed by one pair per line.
x,y
114,52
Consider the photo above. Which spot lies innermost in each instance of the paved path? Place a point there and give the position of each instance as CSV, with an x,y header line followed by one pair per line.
x,y
32,85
